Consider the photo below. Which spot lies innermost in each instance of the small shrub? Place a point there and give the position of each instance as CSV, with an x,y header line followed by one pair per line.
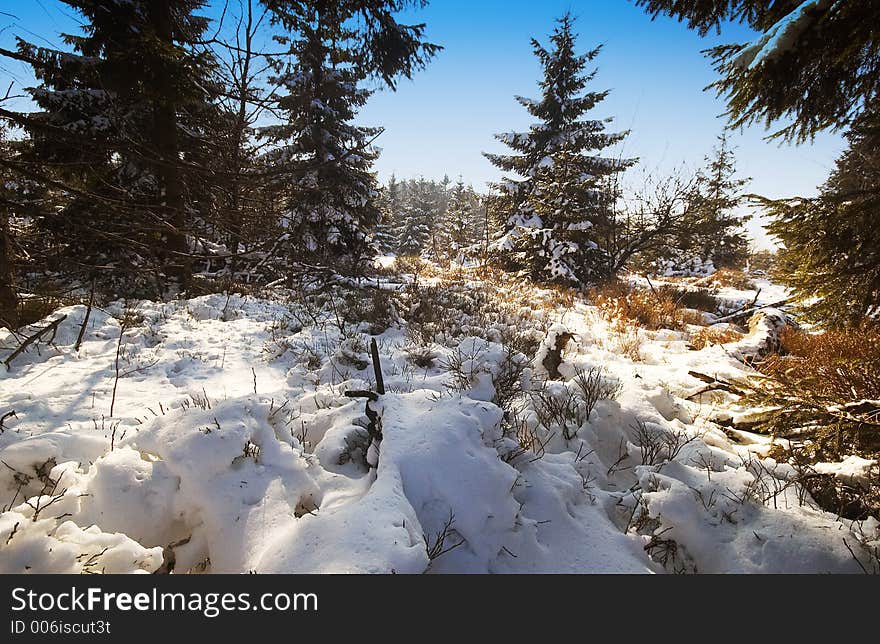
x,y
410,266
824,387
659,446
375,308
568,407
422,356
507,379
559,409
464,366
593,386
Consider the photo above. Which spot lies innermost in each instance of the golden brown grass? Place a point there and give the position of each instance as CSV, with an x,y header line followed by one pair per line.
x,y
843,365
824,387
728,277
709,336
649,309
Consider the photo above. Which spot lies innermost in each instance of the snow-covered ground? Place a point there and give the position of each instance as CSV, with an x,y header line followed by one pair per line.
x,y
232,448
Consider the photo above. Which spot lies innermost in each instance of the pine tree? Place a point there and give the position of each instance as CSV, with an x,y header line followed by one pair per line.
x,y
384,238
830,253
122,121
324,162
721,234
814,62
417,219
554,212
711,235
459,231
395,193
478,224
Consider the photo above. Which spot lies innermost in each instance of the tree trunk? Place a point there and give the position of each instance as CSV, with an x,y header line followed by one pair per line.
x,y
8,296
553,359
178,264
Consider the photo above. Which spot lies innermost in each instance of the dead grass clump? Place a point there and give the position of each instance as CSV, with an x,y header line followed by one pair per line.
x,y
650,309
730,278
711,336
845,364
560,297
824,387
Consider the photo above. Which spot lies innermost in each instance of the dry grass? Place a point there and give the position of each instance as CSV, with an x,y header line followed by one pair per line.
x,y
843,365
624,339
707,337
652,310
825,387
728,277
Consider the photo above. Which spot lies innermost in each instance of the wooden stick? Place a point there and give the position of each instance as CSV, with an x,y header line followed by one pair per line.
x,y
377,368
82,329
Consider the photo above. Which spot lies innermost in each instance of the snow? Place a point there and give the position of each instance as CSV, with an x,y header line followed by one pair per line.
x,y
783,36
233,446
852,469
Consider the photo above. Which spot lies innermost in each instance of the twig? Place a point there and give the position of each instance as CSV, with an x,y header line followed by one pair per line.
x,y
864,570
9,413
116,364
12,534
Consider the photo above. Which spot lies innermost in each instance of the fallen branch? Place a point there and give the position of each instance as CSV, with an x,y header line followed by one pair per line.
x,y
747,312
714,385
53,327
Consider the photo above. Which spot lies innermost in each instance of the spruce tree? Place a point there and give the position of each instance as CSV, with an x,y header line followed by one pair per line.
x,y
459,230
383,238
122,120
323,162
830,253
8,293
711,234
720,233
417,219
554,212
814,63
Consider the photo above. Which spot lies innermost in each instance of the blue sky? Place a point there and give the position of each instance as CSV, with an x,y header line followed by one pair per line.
x,y
441,121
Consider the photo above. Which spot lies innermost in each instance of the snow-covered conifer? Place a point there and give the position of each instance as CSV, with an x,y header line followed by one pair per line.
x,y
554,208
